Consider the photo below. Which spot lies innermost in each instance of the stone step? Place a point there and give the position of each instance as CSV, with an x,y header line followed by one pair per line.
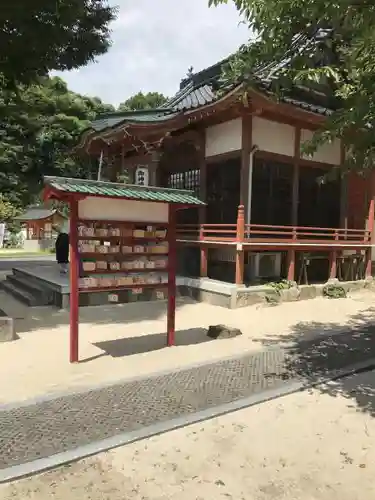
x,y
31,286
41,294
39,280
20,294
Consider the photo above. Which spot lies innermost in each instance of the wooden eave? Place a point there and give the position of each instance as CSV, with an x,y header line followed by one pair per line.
x,y
264,103
131,135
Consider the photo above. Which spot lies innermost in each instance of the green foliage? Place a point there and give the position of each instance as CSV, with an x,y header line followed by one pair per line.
x,y
324,46
334,292
281,285
7,210
151,100
123,177
15,240
274,297
40,125
38,36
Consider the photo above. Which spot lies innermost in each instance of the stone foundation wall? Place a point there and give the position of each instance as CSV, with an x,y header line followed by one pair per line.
x,y
266,294
38,245
244,297
7,332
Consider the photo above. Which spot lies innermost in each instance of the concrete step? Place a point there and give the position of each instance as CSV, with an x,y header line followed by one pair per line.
x,y
33,276
37,280
41,294
20,294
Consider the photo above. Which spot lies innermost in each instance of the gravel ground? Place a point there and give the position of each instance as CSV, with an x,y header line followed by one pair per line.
x,y
119,342
315,445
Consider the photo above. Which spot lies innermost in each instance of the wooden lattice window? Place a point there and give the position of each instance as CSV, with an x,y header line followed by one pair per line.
x,y
185,180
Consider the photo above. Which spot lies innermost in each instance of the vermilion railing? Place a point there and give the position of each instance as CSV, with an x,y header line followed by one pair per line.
x,y
287,238
257,233
304,233
207,232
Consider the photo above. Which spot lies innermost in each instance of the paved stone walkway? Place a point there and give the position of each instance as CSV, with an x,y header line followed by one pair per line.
x,y
40,430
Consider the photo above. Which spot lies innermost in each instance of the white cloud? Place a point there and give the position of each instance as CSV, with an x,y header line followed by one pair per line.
x,y
154,43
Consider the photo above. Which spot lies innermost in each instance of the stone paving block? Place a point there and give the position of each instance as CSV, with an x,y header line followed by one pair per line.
x,y
43,429
7,331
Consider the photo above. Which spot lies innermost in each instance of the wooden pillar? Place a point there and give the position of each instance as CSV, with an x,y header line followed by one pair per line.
x,y
246,174
152,164
344,205
344,202
122,166
343,194
240,254
246,179
333,264
371,204
74,282
291,254
370,222
203,255
295,184
291,264
172,265
202,211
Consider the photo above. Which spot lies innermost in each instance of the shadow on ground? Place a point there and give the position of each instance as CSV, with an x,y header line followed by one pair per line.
x,y
146,343
29,319
318,349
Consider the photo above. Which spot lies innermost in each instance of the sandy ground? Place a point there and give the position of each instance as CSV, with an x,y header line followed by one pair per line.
x,y
117,342
316,445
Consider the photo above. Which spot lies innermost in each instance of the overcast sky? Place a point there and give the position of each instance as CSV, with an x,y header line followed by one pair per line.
x,y
154,43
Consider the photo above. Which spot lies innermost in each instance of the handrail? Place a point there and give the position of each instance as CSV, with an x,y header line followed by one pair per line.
x,y
306,228
258,232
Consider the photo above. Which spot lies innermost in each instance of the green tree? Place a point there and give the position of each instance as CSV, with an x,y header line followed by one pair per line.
x,y
42,35
151,100
320,45
41,123
7,210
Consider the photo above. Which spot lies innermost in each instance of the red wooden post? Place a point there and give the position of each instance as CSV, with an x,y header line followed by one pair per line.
x,y
291,264
371,216
333,260
370,223
204,254
240,254
172,265
333,264
368,262
296,172
291,254
202,194
74,282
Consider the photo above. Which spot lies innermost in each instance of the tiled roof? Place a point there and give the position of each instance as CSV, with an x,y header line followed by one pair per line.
x,y
307,99
199,90
35,213
125,191
191,97
110,120
313,108
196,91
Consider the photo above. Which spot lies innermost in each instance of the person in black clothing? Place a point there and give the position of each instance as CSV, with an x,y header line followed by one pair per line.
x,y
62,249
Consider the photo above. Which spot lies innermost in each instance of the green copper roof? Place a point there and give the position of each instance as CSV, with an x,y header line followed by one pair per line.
x,y
125,191
201,89
35,213
110,120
